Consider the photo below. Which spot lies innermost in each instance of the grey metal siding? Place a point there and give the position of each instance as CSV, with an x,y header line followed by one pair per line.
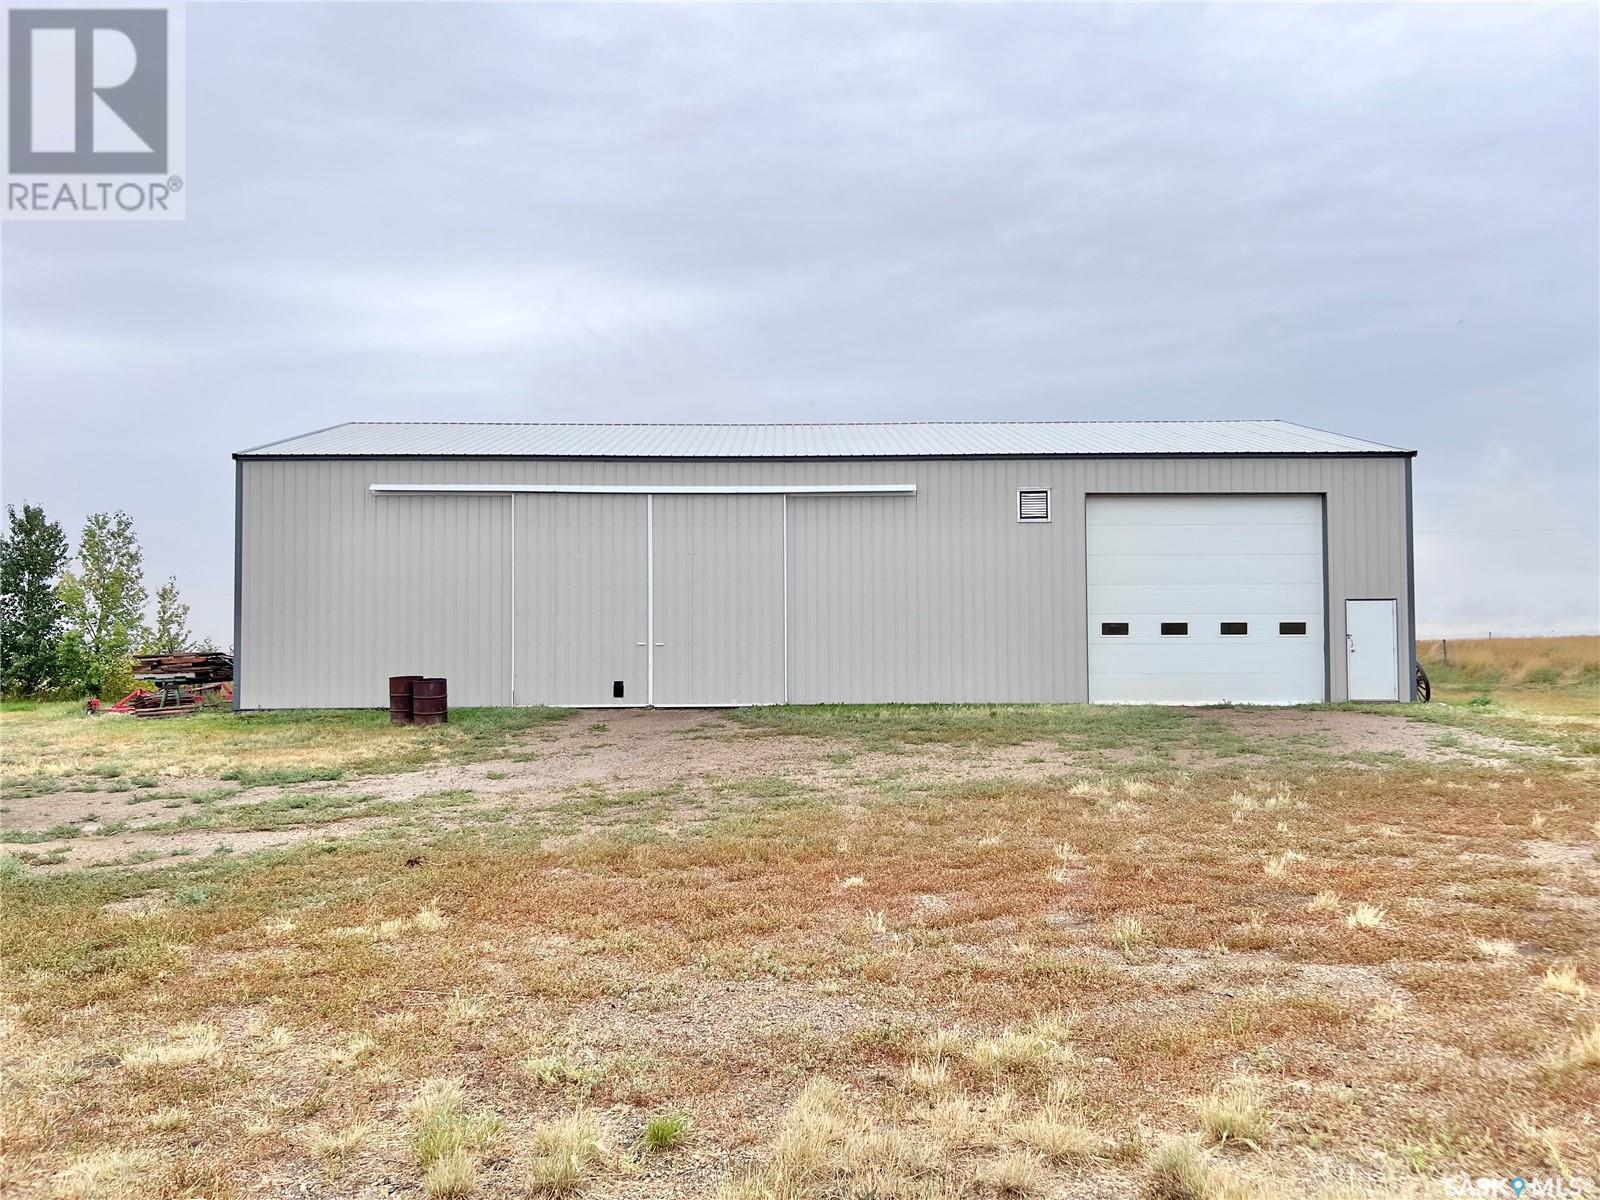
x,y
337,594
943,596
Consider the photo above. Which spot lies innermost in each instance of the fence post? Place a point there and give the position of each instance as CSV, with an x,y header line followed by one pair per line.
x,y
1445,642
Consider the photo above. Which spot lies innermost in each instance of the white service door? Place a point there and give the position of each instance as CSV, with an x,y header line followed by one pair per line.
x,y
1372,648
1201,564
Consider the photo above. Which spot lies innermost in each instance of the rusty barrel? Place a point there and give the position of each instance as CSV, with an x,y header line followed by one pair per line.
x,y
400,698
430,702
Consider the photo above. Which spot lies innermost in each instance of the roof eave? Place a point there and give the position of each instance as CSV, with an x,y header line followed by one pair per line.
x,y
258,455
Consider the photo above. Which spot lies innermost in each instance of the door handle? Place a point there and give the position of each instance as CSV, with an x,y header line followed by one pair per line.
x,y
1350,642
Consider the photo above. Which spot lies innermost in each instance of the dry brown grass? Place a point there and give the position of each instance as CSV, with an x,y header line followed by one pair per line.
x,y
1059,1135
102,1175
1178,1170
1237,1112
1580,1053
186,1046
1563,979
541,996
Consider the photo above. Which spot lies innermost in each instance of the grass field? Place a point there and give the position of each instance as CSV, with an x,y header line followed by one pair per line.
x,y
837,952
1550,675
52,747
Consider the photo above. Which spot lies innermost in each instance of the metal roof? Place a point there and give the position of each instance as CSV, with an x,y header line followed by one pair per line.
x,y
910,439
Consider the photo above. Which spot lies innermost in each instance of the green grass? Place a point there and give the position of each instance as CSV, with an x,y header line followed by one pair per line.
x,y
1105,737
758,787
1573,738
889,726
28,837
300,809
665,1131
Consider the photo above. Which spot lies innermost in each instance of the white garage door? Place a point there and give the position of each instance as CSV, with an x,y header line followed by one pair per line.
x,y
1205,599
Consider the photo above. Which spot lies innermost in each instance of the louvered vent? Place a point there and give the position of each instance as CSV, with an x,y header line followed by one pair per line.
x,y
1033,505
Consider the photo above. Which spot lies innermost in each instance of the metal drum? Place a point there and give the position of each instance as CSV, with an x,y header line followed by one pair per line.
x,y
430,702
400,698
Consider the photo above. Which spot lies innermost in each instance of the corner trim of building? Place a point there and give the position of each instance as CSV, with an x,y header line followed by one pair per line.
x,y
238,571
1327,616
1409,690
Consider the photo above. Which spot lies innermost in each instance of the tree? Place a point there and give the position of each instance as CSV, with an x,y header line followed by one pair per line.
x,y
171,634
104,601
32,554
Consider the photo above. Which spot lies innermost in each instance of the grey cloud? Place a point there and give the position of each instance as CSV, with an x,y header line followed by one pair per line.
x,y
1379,220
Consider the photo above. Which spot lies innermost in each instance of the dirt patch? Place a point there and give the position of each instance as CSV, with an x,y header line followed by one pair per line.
x,y
702,762
1354,733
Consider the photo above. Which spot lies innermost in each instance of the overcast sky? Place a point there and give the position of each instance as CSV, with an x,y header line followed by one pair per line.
x,y
1381,221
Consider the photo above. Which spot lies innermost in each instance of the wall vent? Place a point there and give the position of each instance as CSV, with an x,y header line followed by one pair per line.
x,y
1033,504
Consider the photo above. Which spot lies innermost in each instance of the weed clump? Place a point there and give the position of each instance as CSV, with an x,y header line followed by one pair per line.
x,y
1178,1171
665,1131
448,1139
565,1153
1236,1112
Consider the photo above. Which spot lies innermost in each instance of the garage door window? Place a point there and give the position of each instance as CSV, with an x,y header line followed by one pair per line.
x,y
1174,629
1113,629
1292,628
1235,628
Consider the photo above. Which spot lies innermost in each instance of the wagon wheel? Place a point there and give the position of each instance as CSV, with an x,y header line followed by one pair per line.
x,y
1424,690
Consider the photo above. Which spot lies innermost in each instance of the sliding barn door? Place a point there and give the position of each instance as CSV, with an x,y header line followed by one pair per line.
x,y
718,588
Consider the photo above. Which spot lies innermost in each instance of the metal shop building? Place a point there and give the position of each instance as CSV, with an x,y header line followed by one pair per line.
x,y
1174,562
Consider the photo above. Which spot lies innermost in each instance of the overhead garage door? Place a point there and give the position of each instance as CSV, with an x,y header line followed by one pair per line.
x,y
1205,599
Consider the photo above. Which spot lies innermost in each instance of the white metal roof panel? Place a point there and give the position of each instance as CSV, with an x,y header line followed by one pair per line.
x,y
912,439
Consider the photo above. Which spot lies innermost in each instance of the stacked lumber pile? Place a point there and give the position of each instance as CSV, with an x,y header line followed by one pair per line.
x,y
195,669
169,702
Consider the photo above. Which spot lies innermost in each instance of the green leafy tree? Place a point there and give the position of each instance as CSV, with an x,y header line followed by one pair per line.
x,y
171,634
104,602
32,554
